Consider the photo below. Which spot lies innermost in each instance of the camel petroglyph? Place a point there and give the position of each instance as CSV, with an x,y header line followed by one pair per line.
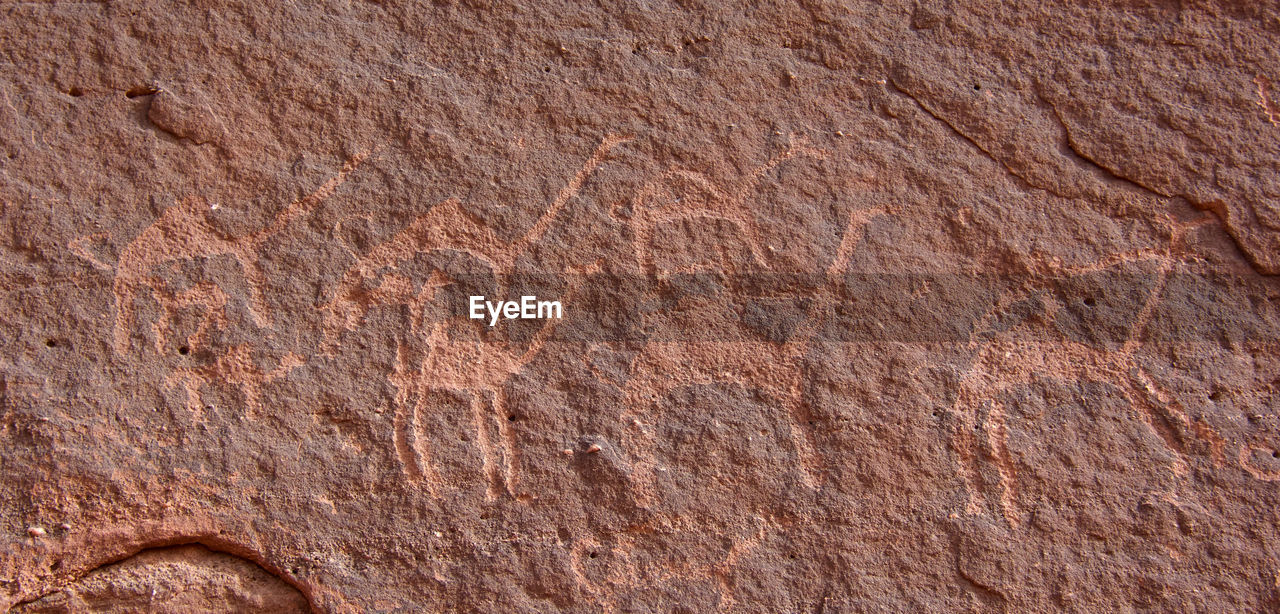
x,y
774,368
1026,353
184,232
455,357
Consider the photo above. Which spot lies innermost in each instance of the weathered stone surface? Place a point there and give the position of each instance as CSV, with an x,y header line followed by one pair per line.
x,y
904,306
179,579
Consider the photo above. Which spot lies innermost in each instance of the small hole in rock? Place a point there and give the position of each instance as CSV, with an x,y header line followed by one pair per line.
x,y
184,350
976,87
1090,301
511,418
141,90
594,554
546,69
76,92
1275,454
50,343
55,566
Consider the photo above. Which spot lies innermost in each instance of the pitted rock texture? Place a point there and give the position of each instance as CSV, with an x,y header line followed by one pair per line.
x,y
899,306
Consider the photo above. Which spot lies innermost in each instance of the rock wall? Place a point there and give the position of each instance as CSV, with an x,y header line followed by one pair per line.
x,y
900,306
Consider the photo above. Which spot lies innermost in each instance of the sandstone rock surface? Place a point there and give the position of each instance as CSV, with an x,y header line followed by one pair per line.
x,y
177,579
894,306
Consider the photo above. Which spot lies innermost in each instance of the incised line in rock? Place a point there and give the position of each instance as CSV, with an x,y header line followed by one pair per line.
x,y
1004,363
698,198
456,358
236,367
459,360
447,225
1264,100
776,368
184,233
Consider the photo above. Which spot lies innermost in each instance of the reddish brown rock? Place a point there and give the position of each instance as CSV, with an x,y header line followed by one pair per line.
x,y
896,306
178,579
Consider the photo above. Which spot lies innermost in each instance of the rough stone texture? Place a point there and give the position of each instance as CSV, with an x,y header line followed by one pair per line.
x,y
179,579
902,306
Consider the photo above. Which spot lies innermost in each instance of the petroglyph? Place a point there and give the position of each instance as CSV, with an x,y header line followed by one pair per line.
x,y
1021,356
455,357
680,194
1264,100
236,367
208,296
619,573
81,248
1266,475
183,232
723,570
412,452
458,359
446,225
776,369
717,571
